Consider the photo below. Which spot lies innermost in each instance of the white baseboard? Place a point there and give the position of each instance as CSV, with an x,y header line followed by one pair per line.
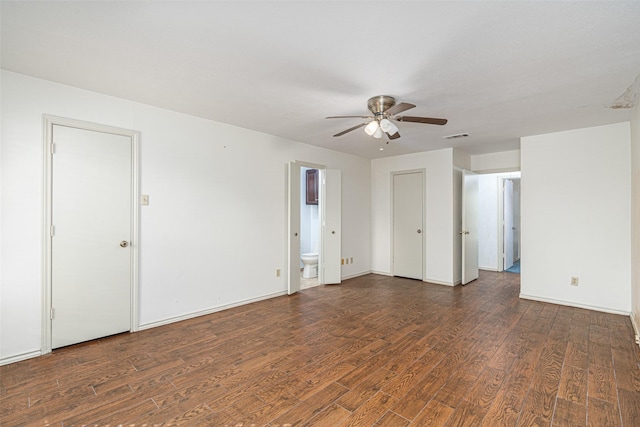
x,y
488,268
437,282
20,357
353,276
208,311
575,304
382,273
636,329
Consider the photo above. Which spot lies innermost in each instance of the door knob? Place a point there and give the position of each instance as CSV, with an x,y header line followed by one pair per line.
x,y
124,244
419,231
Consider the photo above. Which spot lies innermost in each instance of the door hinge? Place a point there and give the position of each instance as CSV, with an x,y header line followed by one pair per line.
x,y
52,230
53,148
52,313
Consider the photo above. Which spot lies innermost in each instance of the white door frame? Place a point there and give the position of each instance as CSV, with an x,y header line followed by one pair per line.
x,y
424,210
48,123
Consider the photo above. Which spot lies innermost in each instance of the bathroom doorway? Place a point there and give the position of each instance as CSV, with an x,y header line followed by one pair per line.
x,y
310,209
327,269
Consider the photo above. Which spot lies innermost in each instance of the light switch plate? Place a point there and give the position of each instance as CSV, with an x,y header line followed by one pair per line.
x,y
145,200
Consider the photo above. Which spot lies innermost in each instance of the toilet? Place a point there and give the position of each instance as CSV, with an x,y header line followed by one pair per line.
x,y
310,261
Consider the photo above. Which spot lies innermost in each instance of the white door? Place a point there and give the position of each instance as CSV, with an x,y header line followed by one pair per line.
x,y
293,252
331,241
516,219
508,223
408,234
469,233
91,260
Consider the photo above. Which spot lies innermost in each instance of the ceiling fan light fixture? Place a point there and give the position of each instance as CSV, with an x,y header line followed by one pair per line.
x,y
371,128
388,127
378,133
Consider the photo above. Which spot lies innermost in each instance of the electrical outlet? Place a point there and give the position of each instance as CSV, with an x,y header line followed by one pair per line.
x,y
277,272
574,281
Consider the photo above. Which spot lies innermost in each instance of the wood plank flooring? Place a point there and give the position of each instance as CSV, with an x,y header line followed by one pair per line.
x,y
373,351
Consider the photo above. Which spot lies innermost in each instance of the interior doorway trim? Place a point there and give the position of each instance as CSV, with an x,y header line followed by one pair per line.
x,y
48,122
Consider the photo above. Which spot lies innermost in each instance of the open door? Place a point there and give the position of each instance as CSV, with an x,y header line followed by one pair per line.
x,y
470,190
508,257
293,252
331,241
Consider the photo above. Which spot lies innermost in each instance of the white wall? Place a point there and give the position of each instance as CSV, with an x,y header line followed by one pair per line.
x,y
576,217
504,161
439,219
217,198
635,218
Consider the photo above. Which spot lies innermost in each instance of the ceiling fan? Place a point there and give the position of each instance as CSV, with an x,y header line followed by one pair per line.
x,y
384,110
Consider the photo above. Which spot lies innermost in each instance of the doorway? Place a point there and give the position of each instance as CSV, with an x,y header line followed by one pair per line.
x,y
310,208
329,212
91,228
493,203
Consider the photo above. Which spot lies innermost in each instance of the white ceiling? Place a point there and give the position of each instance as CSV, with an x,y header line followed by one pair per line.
x,y
496,70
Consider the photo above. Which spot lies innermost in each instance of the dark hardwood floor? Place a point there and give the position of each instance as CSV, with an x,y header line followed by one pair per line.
x,y
373,351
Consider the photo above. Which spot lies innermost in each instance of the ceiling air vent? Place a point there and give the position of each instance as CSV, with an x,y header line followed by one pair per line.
x,y
459,135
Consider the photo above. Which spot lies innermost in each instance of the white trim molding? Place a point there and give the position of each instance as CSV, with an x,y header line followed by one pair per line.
x,y
209,311
636,329
20,357
574,304
353,276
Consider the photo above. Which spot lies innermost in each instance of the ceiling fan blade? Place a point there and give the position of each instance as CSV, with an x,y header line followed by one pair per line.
x,y
349,117
399,108
350,129
394,136
427,120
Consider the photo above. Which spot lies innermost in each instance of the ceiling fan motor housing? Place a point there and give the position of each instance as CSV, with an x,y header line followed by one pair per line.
x,y
379,104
